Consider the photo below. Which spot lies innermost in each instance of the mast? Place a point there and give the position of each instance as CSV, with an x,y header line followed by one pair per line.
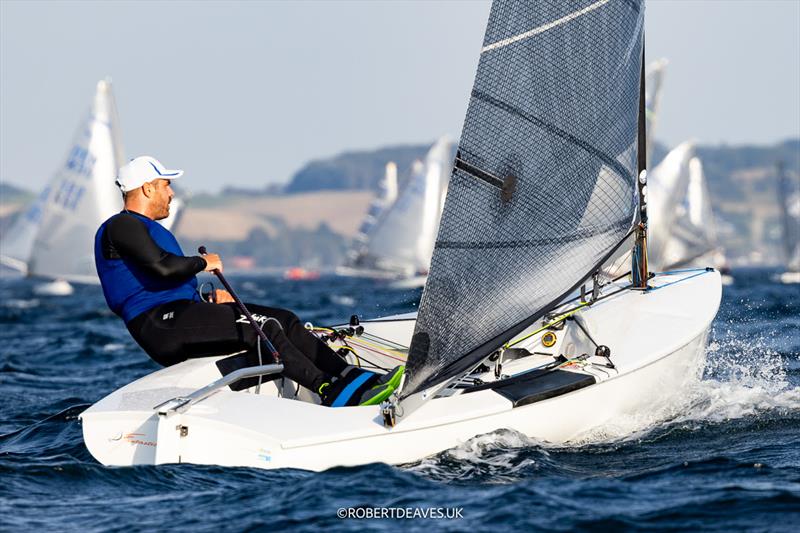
x,y
639,270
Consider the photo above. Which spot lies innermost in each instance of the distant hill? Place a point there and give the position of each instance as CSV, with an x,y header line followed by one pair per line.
x,y
361,170
12,200
11,194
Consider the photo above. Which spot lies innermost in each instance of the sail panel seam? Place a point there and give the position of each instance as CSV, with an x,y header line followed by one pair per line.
x,y
461,245
555,130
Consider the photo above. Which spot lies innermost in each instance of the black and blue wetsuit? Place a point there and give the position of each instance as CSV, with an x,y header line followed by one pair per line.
x,y
148,282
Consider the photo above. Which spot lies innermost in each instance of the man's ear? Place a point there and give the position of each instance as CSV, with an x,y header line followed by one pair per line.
x,y
148,189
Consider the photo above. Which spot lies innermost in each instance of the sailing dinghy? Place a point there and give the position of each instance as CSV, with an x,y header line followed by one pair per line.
x,y
53,239
396,240
516,328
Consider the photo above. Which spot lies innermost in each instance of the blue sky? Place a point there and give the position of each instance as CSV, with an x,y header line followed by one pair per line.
x,y
246,93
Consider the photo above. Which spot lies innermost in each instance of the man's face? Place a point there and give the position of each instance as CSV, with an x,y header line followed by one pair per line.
x,y
161,198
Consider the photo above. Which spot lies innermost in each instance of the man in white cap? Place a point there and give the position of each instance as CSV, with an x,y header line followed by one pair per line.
x,y
151,285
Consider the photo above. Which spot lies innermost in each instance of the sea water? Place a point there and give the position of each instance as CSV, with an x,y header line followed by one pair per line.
x,y
723,456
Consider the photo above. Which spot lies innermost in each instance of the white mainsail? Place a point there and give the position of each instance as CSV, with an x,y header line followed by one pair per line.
x,y
693,236
17,242
654,81
667,184
401,239
82,195
387,194
681,227
789,200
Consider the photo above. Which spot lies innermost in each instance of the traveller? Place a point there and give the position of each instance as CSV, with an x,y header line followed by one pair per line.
x,y
151,285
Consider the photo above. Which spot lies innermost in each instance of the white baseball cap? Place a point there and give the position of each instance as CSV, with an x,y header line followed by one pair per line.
x,y
143,169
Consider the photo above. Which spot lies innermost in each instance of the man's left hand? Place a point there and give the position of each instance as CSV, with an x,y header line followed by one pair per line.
x,y
222,297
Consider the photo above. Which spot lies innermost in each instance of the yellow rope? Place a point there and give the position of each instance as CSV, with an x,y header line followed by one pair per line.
x,y
549,324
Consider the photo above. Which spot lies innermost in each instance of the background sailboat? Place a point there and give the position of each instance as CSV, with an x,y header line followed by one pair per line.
x,y
387,195
789,201
682,224
54,237
682,228
398,236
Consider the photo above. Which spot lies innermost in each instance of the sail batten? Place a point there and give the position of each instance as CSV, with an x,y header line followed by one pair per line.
x,y
552,125
544,27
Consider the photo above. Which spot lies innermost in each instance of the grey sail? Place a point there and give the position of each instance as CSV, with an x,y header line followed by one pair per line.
x,y
543,187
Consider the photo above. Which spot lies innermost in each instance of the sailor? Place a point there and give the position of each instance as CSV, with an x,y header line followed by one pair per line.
x,y
151,285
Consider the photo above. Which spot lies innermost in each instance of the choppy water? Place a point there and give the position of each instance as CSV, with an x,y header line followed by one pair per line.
x,y
725,457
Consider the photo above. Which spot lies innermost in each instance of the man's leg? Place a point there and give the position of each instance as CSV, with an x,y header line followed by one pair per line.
x,y
317,351
182,330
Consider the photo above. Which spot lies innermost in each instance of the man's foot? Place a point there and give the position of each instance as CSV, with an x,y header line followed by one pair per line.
x,y
348,388
357,386
392,377
376,394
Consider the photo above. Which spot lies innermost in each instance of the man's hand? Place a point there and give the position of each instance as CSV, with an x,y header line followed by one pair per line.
x,y
213,262
222,297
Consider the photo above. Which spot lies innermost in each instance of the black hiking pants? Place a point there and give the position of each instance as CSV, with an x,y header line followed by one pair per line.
x,y
185,329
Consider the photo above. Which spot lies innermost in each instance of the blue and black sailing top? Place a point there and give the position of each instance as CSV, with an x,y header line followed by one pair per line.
x,y
141,265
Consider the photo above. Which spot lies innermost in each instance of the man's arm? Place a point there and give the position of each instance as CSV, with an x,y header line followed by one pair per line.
x,y
129,237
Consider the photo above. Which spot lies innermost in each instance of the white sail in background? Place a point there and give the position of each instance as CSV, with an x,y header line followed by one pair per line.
x,y
693,236
176,207
438,164
401,235
681,226
667,184
54,237
789,201
81,195
387,194
394,243
17,242
654,82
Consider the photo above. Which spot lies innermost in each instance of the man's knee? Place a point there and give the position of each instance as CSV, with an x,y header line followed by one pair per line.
x,y
284,316
272,326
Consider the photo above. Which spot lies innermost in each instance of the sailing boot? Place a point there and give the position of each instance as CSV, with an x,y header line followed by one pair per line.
x,y
356,386
347,388
392,377
384,386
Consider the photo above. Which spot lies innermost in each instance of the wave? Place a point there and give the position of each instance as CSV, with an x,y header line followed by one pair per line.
x,y
745,384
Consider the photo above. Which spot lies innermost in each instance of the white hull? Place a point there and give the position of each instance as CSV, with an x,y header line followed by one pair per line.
x,y
414,282
58,287
790,277
368,273
657,341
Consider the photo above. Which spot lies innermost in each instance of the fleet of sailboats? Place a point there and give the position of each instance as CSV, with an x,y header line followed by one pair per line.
x,y
548,183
